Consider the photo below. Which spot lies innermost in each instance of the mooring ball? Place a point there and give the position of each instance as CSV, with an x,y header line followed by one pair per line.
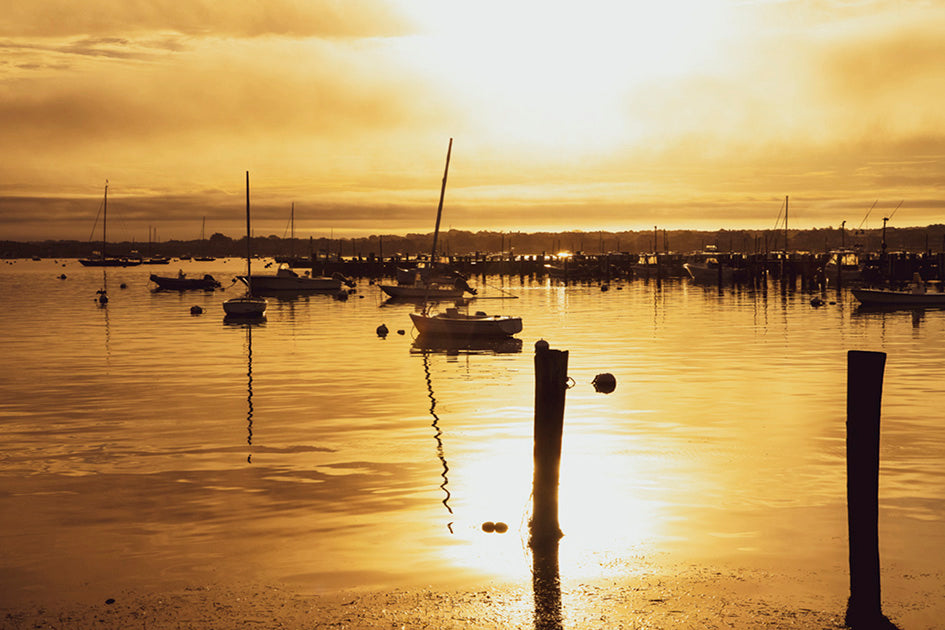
x,y
501,528
122,286
401,332
488,527
604,383
382,330
195,310
541,344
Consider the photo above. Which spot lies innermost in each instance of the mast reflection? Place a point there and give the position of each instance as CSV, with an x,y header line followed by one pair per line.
x,y
436,436
249,393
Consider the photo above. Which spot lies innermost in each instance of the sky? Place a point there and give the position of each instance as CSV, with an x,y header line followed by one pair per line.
x,y
592,115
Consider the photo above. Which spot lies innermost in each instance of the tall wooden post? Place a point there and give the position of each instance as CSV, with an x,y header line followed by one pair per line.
x,y
551,375
864,397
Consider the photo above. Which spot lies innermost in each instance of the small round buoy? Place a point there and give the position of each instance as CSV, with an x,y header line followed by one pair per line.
x,y
541,344
488,527
604,383
815,302
110,601
195,310
382,330
62,276
604,287
122,286
501,528
401,332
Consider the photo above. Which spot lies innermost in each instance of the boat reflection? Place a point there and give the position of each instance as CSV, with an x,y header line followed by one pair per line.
x,y
470,345
436,436
917,313
415,301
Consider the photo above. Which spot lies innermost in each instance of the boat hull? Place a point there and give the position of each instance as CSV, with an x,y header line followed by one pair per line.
x,y
265,283
463,326
173,283
245,307
880,297
109,262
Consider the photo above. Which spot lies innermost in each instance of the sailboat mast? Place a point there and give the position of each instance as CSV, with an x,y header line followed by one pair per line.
x,y
249,251
104,219
439,209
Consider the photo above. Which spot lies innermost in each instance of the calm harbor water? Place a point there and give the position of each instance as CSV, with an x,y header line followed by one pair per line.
x,y
146,447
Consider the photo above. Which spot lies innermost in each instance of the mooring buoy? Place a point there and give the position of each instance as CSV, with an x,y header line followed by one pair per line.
x,y
604,383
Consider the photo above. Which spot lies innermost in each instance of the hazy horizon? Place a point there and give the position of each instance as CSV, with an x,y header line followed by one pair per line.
x,y
686,114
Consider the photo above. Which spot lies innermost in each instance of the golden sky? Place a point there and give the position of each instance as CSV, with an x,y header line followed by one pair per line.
x,y
591,115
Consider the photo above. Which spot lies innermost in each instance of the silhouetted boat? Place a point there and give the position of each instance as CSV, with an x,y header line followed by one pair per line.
x,y
452,322
246,306
181,282
711,270
917,296
102,260
287,280
431,291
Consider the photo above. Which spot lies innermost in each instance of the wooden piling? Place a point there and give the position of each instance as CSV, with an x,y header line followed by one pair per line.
x,y
864,397
551,375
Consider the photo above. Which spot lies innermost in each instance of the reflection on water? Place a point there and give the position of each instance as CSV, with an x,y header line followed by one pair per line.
x,y
436,436
425,343
249,392
122,463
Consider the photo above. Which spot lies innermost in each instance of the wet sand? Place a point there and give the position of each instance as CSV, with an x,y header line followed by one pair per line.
x,y
692,598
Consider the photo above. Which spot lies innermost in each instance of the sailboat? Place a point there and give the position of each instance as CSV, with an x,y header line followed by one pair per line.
x,y
246,306
451,323
103,260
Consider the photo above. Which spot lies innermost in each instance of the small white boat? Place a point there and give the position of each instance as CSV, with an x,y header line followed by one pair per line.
x,y
287,280
246,306
452,323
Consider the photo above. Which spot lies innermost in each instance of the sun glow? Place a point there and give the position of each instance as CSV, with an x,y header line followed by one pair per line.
x,y
563,74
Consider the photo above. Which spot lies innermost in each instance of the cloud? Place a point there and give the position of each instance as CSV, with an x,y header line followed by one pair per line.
x,y
96,18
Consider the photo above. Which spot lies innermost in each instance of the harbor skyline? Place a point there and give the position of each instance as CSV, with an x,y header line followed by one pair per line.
x,y
618,116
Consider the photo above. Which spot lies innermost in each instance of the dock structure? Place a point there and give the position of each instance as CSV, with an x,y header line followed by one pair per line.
x,y
808,270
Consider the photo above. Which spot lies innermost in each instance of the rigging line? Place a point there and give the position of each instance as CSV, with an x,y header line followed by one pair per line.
x,y
889,218
97,215
777,221
860,226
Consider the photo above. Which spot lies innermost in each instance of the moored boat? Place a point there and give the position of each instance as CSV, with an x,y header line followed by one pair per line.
x,y
452,323
246,306
889,297
287,280
181,282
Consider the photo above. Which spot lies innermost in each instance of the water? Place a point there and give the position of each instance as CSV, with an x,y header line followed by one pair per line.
x,y
146,447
